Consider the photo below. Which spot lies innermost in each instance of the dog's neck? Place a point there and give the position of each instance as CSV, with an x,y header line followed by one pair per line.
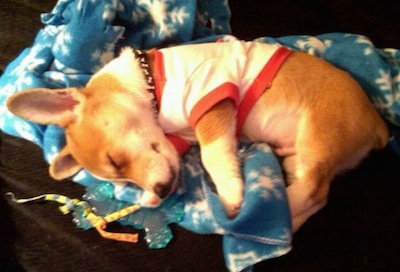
x,y
143,59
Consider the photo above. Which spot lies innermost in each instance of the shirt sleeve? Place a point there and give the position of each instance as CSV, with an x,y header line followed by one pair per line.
x,y
213,81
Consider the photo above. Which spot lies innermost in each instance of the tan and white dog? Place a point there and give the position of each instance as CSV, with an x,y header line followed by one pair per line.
x,y
316,117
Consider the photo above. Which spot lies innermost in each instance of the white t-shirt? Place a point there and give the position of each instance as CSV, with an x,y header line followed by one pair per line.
x,y
190,79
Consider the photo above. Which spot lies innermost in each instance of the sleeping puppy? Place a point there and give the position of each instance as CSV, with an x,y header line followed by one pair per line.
x,y
142,110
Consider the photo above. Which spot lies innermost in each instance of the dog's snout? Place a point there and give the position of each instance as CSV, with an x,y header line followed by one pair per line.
x,y
162,190
165,182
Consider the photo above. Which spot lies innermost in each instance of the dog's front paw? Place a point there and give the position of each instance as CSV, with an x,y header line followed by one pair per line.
x,y
232,209
232,198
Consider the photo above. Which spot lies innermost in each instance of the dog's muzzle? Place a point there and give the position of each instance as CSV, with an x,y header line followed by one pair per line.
x,y
164,189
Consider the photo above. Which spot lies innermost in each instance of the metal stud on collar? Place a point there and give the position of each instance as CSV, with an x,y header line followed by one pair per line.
x,y
144,64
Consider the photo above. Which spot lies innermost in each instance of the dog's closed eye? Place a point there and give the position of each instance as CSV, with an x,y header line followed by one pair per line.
x,y
116,162
155,147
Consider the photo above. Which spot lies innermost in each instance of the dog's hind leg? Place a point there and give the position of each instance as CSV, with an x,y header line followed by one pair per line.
x,y
215,132
309,187
326,146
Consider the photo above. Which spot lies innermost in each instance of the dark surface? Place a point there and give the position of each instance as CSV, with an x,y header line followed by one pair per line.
x,y
357,231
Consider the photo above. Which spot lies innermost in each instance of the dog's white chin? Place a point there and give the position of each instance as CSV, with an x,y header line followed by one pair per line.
x,y
149,199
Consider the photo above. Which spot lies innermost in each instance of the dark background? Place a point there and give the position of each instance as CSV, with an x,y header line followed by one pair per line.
x,y
357,231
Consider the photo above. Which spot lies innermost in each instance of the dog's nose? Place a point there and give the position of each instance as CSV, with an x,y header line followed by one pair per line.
x,y
162,190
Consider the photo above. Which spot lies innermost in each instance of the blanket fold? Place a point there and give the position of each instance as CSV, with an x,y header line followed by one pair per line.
x,y
80,36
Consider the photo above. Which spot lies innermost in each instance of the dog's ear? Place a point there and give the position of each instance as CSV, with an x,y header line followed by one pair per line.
x,y
46,106
64,165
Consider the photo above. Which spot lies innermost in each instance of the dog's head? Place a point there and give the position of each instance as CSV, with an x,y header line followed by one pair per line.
x,y
110,129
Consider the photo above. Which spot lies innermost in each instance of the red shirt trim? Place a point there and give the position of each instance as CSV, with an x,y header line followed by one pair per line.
x,y
158,74
262,82
180,144
226,90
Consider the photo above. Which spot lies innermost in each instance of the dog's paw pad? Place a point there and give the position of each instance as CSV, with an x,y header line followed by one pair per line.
x,y
231,196
232,209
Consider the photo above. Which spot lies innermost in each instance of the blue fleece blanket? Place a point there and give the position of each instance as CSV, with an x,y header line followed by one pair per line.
x,y
81,36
